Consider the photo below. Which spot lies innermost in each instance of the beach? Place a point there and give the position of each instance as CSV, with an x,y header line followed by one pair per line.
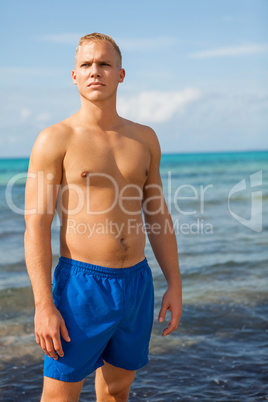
x,y
219,207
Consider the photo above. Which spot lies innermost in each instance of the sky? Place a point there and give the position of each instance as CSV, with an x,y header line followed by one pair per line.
x,y
196,70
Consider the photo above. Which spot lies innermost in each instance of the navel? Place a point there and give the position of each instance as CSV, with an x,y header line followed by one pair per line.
x,y
146,172
123,244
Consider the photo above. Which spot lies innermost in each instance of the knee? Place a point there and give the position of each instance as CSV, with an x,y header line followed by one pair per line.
x,y
117,394
113,383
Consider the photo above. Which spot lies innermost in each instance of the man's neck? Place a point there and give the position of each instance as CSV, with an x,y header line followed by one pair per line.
x,y
99,114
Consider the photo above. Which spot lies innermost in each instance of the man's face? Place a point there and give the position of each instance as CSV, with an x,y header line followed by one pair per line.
x,y
97,72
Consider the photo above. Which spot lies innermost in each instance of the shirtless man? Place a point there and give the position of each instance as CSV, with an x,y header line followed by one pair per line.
x,y
100,172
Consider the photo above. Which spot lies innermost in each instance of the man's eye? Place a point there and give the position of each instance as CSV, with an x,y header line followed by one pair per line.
x,y
84,65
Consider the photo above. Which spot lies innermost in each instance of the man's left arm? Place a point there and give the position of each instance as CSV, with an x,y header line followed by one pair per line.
x,y
160,231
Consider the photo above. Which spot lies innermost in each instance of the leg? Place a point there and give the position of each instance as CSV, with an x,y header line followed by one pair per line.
x,y
112,383
60,391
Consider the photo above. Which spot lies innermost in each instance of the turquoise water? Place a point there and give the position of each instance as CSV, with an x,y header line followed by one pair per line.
x,y
219,352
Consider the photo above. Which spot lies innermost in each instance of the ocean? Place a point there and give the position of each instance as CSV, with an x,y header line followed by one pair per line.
x,y
219,352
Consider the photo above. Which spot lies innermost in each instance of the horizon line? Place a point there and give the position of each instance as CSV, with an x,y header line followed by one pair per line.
x,y
172,153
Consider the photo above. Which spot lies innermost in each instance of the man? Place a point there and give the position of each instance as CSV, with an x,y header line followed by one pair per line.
x,y
100,171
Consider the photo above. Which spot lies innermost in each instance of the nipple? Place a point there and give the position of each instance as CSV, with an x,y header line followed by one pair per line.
x,y
84,173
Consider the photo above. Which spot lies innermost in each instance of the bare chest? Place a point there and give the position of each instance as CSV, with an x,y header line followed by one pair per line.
x,y
98,161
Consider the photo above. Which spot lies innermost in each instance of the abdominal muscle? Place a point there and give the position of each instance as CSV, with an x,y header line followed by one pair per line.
x,y
114,239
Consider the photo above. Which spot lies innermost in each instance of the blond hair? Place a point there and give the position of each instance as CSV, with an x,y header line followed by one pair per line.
x,y
95,36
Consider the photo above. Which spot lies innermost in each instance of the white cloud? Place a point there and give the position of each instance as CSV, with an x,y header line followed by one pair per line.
x,y
64,38
43,117
25,113
125,44
25,70
12,139
231,51
156,106
234,18
144,44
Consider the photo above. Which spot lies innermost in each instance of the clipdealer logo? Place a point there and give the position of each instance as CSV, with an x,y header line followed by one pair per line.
x,y
255,221
174,200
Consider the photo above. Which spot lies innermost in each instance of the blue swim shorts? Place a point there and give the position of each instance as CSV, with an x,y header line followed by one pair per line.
x,y
109,316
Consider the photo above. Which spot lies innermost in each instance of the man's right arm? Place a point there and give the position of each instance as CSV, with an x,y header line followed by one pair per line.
x,y
44,178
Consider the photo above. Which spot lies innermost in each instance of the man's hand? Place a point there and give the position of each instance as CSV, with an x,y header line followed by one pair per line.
x,y
171,301
49,324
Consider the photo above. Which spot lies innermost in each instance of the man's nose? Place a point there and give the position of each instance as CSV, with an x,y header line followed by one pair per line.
x,y
95,72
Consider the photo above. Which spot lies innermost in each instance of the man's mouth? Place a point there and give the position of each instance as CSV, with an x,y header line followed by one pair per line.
x,y
95,84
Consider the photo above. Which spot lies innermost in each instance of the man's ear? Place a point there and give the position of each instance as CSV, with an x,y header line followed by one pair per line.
x,y
74,77
122,75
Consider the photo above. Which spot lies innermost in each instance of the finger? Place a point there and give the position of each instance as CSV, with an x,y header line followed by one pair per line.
x,y
58,346
50,348
43,345
162,313
37,338
64,332
171,327
168,330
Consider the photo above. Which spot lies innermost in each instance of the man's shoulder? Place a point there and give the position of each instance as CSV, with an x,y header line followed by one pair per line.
x,y
147,136
146,132
56,135
56,132
52,142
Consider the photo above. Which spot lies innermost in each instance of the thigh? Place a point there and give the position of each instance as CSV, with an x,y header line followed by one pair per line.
x,y
91,313
113,381
128,348
61,391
